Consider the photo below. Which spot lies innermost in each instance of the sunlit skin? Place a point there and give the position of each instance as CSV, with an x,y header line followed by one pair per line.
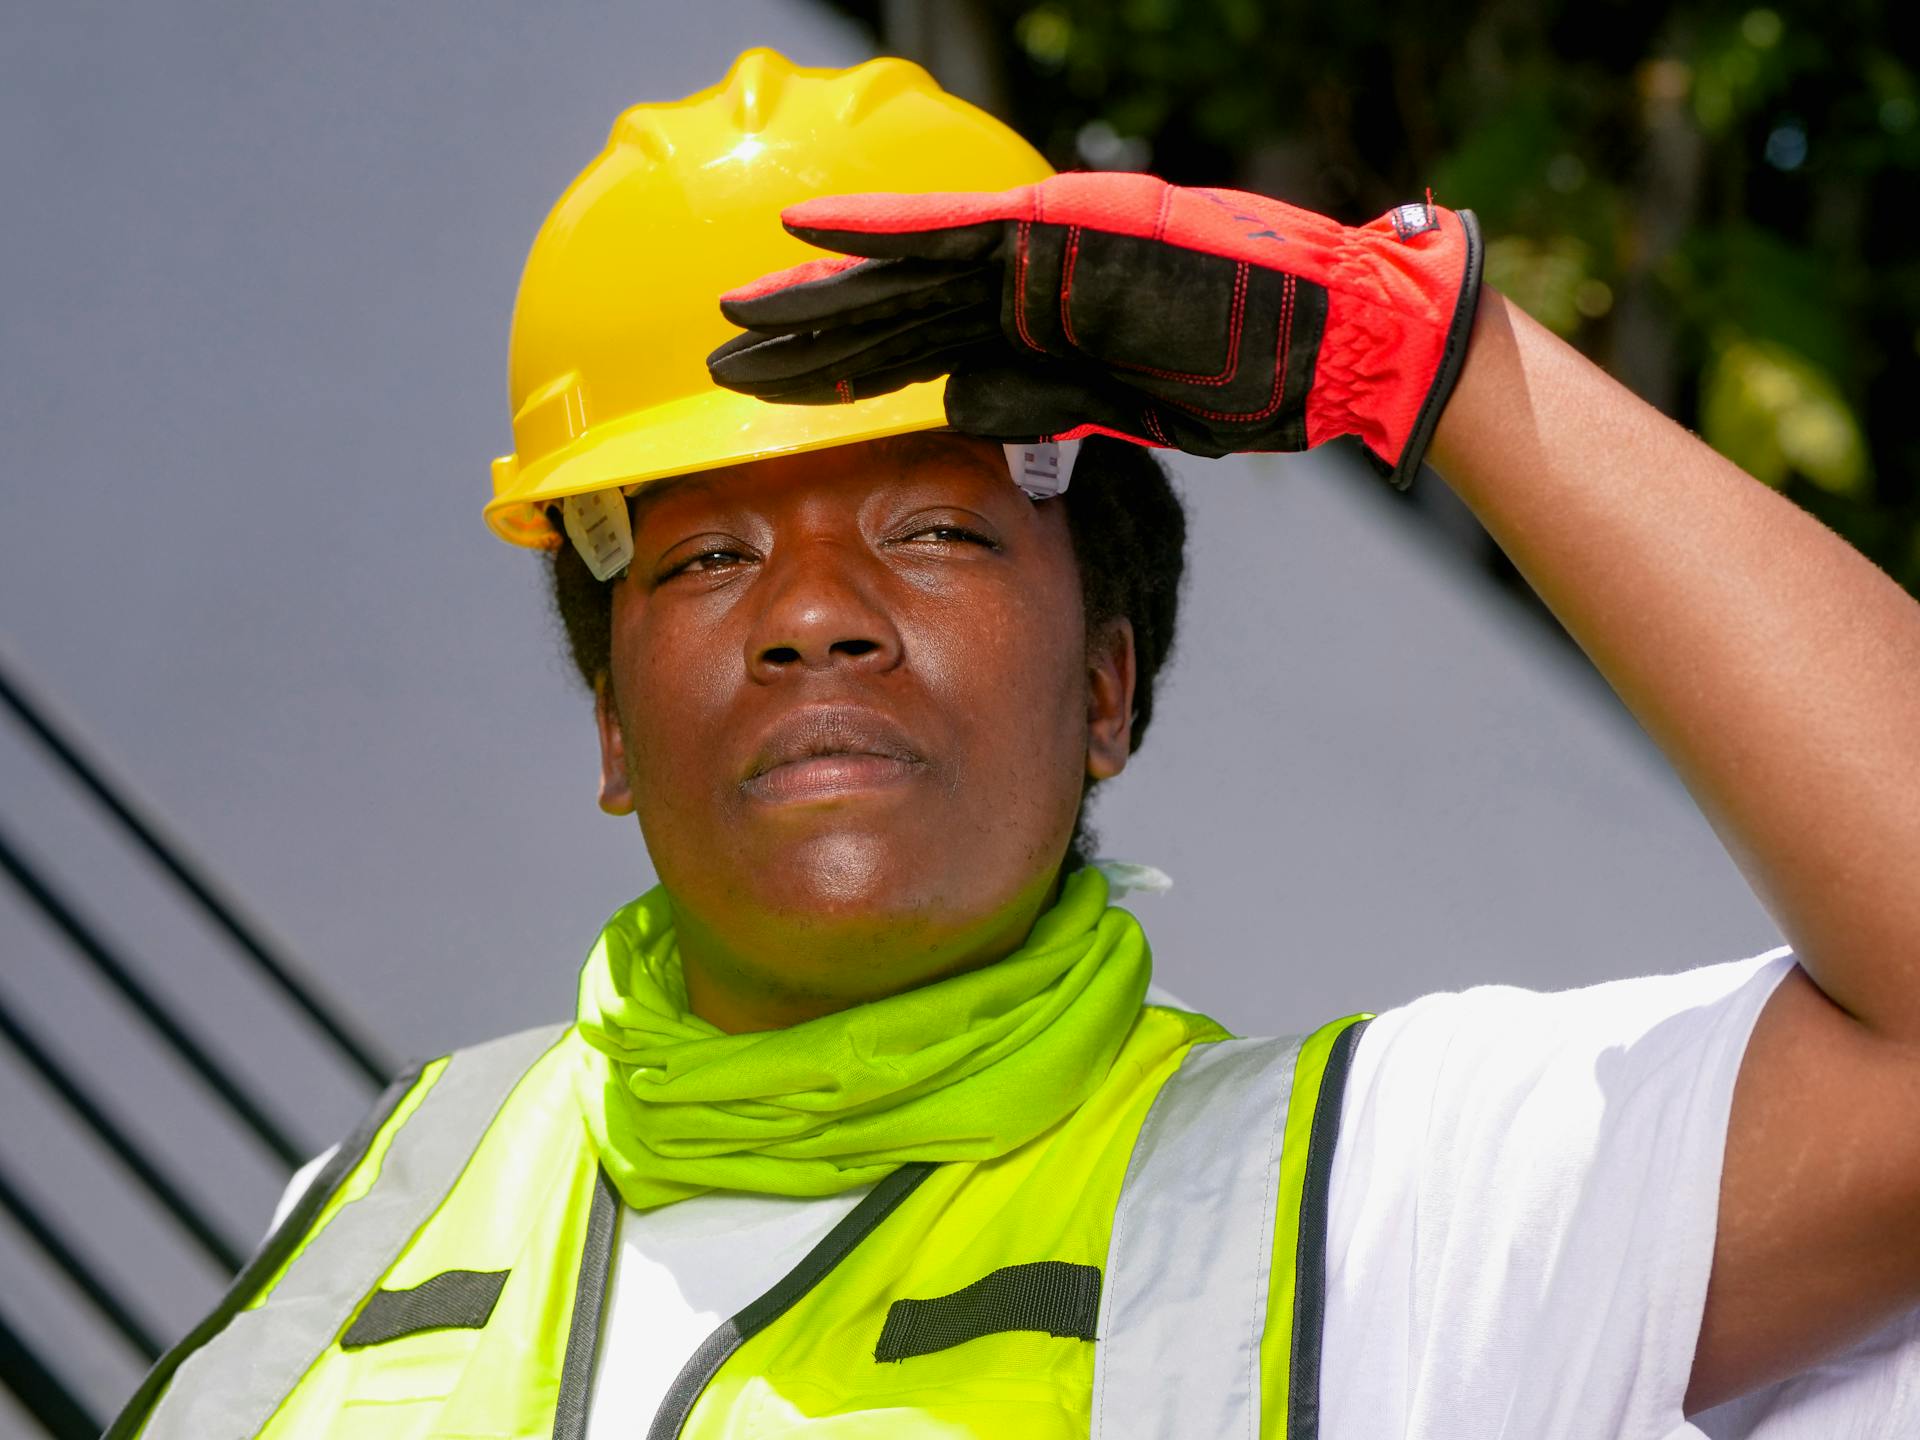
x,y
903,607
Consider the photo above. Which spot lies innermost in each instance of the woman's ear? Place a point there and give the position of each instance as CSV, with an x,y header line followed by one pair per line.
x,y
616,788
1110,677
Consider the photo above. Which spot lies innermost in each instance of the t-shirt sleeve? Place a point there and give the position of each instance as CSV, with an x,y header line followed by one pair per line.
x,y
297,1185
1523,1205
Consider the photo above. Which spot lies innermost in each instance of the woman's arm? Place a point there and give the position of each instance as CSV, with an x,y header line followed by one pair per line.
x,y
1780,672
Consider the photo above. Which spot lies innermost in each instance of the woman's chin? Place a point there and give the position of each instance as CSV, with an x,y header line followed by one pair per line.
x,y
857,879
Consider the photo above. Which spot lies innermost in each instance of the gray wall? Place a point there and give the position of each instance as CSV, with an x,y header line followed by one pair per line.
x,y
260,264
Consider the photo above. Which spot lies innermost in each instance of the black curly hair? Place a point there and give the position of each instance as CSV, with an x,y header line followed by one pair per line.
x,y
1129,539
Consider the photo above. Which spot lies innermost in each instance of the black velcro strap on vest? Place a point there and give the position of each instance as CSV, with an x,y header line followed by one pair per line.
x,y
451,1300
1051,1295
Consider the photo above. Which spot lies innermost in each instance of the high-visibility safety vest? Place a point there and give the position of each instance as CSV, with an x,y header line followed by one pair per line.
x,y
1153,1265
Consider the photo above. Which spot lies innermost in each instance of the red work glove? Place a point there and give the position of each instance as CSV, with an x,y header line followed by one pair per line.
x,y
1212,321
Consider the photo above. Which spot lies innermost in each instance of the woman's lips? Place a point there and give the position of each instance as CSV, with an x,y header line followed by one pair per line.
x,y
824,751
826,777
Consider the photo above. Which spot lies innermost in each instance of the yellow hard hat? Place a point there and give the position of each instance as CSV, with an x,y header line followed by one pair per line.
x,y
618,306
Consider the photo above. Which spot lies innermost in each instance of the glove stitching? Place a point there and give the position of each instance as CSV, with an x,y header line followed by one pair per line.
x,y
1279,371
1066,284
1241,274
1020,285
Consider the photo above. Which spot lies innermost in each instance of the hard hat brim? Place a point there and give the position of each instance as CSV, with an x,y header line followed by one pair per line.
x,y
695,433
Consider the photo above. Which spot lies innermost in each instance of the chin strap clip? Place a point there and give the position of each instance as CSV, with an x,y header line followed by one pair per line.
x,y
1042,468
598,526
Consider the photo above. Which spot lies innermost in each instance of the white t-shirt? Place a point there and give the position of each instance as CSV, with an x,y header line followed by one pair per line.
x,y
1523,1206
1522,1218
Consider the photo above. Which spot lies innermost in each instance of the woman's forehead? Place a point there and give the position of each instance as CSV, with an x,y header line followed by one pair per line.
x,y
865,465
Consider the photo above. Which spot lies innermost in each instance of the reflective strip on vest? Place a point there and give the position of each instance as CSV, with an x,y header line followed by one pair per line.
x,y
233,1384
1185,1296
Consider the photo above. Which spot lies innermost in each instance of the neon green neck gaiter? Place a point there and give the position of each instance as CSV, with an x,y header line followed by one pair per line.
x,y
963,1069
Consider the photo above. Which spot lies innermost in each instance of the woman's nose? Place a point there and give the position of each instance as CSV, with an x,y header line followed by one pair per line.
x,y
823,609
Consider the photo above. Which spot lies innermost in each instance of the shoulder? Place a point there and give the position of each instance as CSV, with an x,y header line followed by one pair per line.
x,y
1540,1092
1523,1176
1491,1046
486,1073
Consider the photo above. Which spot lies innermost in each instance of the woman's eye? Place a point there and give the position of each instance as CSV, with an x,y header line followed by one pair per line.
x,y
706,562
954,535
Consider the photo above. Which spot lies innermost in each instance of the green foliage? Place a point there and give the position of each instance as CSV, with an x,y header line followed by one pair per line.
x,y
1772,412
1710,199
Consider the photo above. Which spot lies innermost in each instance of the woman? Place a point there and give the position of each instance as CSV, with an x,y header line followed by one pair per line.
x,y
868,1124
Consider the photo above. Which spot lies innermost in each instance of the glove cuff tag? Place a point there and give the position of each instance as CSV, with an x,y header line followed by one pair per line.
x,y
1416,218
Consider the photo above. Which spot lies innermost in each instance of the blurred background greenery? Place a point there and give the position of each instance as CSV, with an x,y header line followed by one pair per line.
x,y
1710,200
